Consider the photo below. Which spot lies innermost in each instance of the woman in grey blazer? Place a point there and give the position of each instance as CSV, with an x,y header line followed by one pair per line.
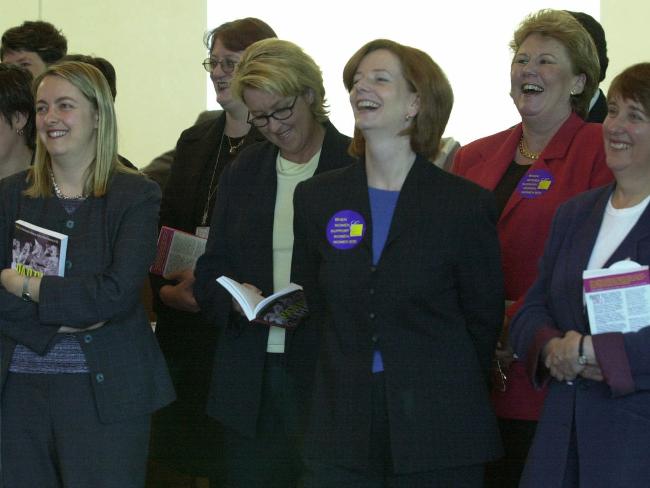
x,y
81,369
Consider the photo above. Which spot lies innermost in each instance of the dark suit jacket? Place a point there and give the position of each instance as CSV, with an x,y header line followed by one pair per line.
x,y
241,247
611,418
111,244
433,305
599,111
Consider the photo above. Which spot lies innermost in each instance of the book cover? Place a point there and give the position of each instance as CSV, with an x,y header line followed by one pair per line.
x,y
38,251
285,308
177,250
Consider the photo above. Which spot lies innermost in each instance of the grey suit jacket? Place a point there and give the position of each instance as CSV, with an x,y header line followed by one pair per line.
x,y
111,243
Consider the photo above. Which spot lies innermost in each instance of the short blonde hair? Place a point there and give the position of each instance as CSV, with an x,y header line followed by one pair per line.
x,y
563,27
425,78
94,87
282,68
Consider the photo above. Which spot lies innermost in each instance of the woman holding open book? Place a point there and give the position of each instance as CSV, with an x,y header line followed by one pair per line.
x,y
81,369
262,375
183,437
595,426
400,265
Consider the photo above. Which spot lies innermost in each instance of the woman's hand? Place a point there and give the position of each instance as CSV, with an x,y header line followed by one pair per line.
x,y
12,281
252,288
181,295
561,358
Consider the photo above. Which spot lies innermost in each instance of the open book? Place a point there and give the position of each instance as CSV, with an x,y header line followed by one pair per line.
x,y
38,251
285,308
618,297
177,250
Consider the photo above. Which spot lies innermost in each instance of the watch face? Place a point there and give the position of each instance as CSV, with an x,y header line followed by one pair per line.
x,y
582,360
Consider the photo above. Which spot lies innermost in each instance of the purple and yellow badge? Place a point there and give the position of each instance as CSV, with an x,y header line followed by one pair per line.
x,y
535,183
346,229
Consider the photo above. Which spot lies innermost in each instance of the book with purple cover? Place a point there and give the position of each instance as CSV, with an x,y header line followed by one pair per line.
x,y
38,251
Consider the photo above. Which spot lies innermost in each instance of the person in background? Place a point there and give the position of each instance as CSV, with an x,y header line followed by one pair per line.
x,y
594,429
34,45
262,375
598,103
184,438
17,130
532,167
400,265
81,370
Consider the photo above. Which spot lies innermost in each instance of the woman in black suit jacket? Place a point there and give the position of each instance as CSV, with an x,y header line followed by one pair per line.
x,y
262,376
400,264
81,369
183,437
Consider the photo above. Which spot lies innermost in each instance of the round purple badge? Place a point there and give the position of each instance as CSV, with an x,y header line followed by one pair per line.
x,y
345,229
535,183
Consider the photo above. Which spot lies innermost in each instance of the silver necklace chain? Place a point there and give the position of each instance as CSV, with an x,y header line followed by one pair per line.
x,y
59,193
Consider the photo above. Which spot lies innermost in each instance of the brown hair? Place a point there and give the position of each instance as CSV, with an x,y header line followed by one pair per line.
x,y
633,83
425,78
238,34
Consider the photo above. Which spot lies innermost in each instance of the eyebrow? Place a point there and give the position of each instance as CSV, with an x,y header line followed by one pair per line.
x,y
58,100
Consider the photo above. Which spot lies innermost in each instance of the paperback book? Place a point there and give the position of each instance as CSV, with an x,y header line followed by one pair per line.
x,y
177,250
38,251
285,308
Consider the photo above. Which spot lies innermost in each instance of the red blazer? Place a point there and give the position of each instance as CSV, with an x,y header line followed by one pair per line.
x,y
575,161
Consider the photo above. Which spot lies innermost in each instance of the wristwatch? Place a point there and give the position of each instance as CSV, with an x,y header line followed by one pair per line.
x,y
582,359
26,295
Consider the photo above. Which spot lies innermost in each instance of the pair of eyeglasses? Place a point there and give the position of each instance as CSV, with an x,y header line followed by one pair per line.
x,y
280,114
227,65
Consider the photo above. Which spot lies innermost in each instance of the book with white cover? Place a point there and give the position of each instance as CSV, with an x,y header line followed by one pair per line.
x,y
617,298
285,308
38,251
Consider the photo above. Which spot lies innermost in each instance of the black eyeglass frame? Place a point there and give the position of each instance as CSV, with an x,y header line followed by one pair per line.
x,y
227,65
263,120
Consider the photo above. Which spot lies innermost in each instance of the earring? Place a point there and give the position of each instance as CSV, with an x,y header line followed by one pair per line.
x,y
572,92
20,132
407,117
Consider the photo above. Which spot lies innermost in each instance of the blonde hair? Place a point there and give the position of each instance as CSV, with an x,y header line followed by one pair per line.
x,y
282,68
563,27
94,87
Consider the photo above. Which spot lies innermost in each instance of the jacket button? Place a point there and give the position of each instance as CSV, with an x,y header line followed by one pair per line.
x,y
99,377
374,338
88,338
371,315
68,264
371,291
373,268
69,224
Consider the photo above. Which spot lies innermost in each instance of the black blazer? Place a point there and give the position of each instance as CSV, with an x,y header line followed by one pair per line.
x,y
111,244
433,305
599,111
241,246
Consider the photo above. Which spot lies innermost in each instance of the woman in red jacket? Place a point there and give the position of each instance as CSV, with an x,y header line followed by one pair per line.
x,y
532,168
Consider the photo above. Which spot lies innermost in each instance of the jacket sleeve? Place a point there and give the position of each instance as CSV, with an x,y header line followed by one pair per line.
x,y
84,300
480,280
212,297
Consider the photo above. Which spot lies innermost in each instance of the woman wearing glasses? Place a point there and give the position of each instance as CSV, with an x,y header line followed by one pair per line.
x,y
262,376
184,438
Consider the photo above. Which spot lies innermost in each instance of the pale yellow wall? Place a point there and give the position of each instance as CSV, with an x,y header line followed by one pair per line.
x,y
626,27
156,48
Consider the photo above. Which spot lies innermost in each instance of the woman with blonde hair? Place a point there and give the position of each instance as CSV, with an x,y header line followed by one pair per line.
x,y
261,380
81,371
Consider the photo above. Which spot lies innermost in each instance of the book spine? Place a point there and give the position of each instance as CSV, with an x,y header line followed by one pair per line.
x,y
164,243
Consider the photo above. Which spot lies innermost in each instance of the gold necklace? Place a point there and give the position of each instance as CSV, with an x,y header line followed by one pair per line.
x,y
233,149
523,150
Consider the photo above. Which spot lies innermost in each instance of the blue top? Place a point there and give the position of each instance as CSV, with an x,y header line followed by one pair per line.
x,y
382,208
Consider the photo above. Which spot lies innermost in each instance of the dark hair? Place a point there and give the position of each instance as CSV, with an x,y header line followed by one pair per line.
x,y
632,83
238,34
101,64
16,97
595,30
425,78
37,36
